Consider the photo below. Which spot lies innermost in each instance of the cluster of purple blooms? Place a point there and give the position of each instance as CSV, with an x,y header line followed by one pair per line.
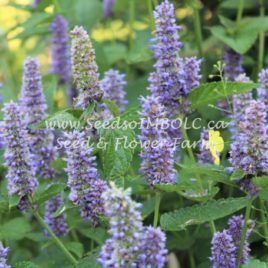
x,y
3,256
61,57
84,68
107,7
131,244
113,85
83,178
226,245
158,159
249,151
34,107
205,156
57,224
18,159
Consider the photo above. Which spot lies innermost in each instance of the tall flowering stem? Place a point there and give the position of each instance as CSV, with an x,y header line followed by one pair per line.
x,y
18,160
61,57
34,107
262,90
131,244
83,178
84,68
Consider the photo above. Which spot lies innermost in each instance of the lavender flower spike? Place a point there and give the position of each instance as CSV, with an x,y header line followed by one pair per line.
x,y
249,151
112,85
223,251
167,82
154,251
34,107
84,68
158,154
18,160
58,225
61,57
205,156
236,224
263,89
3,256
233,65
36,3
131,244
83,179
124,246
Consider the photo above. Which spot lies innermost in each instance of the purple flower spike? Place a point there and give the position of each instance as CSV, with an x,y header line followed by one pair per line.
x,y
263,89
158,152
167,82
233,65
249,151
83,179
3,257
107,7
154,251
113,85
131,244
18,160
84,68
34,107
61,56
223,251
58,225
36,3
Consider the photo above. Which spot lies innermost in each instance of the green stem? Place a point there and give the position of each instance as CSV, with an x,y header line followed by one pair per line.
x,y
55,238
244,234
156,208
261,40
131,22
150,11
192,260
239,12
198,32
155,2
263,218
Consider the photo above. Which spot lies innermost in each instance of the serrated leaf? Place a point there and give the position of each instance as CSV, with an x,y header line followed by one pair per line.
x,y
253,263
115,154
90,261
26,264
211,92
237,175
48,193
97,234
14,229
14,201
261,181
201,213
112,107
67,119
76,248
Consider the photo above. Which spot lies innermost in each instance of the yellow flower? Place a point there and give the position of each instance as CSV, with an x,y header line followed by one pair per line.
x,y
216,145
60,99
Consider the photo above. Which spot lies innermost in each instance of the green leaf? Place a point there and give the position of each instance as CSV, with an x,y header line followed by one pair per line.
x,y
90,261
15,229
201,213
115,154
14,201
237,175
253,263
26,264
233,4
112,107
115,52
67,119
36,19
211,92
76,248
148,207
88,13
241,42
97,234
50,192
261,181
